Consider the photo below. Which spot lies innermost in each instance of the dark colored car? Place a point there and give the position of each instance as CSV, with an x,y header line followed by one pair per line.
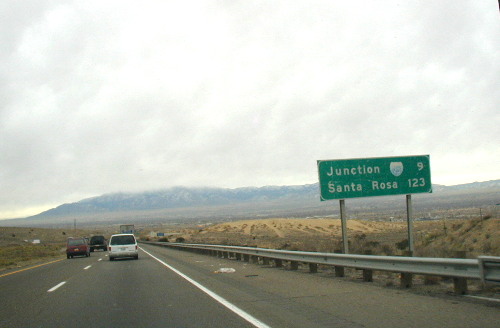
x,y
77,246
98,242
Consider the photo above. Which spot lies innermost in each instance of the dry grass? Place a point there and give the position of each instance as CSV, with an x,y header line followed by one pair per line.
x,y
17,249
475,237
21,236
14,256
432,238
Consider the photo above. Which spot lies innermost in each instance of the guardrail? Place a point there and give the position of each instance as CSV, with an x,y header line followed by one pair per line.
x,y
485,268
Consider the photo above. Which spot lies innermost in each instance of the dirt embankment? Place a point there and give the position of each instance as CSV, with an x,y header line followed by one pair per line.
x,y
432,238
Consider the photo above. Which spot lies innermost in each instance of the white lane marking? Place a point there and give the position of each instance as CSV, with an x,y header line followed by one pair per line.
x,y
254,321
87,267
56,286
484,298
99,260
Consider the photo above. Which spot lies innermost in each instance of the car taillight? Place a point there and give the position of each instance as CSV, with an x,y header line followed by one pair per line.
x,y
109,248
135,247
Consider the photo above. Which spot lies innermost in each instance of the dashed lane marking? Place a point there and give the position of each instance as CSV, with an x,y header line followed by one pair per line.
x,y
56,286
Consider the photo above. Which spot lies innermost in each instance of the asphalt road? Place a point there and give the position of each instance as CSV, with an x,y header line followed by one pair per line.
x,y
100,293
171,288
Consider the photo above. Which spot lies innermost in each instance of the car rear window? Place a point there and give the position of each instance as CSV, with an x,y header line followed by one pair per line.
x,y
97,240
122,240
75,242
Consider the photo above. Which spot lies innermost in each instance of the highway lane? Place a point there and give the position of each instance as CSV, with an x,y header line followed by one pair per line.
x,y
122,293
27,289
151,292
284,298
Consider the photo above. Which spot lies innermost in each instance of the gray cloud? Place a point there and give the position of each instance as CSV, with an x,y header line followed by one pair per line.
x,y
115,96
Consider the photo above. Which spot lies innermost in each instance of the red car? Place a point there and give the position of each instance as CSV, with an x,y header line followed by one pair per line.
x,y
77,246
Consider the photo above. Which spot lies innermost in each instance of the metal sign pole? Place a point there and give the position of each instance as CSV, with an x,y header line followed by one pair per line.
x,y
344,227
409,216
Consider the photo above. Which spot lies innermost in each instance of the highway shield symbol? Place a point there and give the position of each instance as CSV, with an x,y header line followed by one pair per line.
x,y
396,168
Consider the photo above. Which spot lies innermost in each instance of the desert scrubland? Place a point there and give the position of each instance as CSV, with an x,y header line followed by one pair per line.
x,y
433,238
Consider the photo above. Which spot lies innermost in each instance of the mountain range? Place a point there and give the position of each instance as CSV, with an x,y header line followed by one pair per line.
x,y
184,203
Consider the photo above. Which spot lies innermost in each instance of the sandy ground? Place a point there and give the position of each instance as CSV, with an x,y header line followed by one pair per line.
x,y
433,238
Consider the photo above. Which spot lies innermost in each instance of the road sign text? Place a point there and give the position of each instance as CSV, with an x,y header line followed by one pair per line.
x,y
349,178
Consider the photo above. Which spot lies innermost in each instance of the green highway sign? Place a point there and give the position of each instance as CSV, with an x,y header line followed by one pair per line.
x,y
377,176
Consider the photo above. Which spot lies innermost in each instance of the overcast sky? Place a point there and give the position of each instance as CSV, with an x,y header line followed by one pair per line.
x,y
107,96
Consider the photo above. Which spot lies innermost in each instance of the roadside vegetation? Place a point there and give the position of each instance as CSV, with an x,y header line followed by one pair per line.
x,y
436,238
21,247
17,255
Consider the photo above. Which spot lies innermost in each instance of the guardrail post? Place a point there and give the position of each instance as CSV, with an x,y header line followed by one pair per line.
x,y
406,280
339,271
368,274
294,265
265,260
460,284
238,256
313,268
246,257
278,263
254,259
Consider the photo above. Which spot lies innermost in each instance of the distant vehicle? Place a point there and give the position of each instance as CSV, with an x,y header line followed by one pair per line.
x,y
127,228
77,246
98,242
123,245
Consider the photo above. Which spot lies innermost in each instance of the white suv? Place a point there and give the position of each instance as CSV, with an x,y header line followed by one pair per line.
x,y
122,245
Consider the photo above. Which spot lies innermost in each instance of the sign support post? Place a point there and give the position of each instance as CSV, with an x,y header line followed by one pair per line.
x,y
343,219
409,217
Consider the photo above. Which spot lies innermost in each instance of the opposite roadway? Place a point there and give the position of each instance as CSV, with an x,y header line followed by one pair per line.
x,y
173,288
